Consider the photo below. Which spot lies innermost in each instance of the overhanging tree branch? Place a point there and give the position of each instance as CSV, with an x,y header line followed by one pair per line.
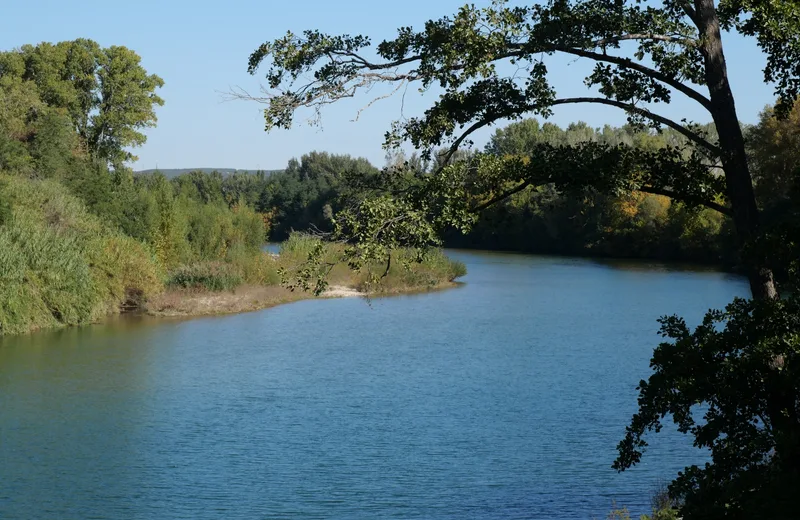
x,y
501,197
689,134
647,71
645,36
684,198
522,50
644,189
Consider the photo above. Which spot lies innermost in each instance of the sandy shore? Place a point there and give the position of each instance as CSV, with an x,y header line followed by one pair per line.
x,y
247,298
243,299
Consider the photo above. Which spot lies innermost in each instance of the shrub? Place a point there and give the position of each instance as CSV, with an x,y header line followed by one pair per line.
x,y
127,270
212,276
406,271
257,267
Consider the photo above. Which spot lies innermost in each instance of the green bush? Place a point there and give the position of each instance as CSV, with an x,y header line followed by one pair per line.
x,y
257,267
298,245
405,272
212,276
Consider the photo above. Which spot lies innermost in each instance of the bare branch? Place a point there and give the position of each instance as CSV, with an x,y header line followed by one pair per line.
x,y
379,98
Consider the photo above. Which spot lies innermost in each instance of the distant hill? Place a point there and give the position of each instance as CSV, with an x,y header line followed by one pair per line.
x,y
174,172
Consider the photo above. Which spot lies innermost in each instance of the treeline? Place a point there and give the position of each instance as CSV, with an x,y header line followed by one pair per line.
x,y
303,196
72,110
81,234
541,219
629,225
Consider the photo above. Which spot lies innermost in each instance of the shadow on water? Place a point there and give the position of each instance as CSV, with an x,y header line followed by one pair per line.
x,y
623,264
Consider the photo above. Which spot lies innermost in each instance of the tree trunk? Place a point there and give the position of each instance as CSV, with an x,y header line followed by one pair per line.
x,y
731,142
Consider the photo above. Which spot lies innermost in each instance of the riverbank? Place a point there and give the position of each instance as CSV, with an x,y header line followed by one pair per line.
x,y
259,282
263,281
187,303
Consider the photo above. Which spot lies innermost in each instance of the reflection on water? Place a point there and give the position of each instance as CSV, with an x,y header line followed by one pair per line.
x,y
504,398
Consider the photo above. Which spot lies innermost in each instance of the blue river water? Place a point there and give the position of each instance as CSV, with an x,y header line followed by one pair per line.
x,y
502,398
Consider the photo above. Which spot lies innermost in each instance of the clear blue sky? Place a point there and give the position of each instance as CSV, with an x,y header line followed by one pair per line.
x,y
200,48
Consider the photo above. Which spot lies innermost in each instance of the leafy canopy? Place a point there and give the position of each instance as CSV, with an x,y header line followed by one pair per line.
x,y
733,384
491,64
643,54
105,92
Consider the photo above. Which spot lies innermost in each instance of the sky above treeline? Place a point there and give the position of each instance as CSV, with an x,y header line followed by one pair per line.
x,y
200,48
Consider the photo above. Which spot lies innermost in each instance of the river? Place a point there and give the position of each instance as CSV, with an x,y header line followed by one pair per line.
x,y
503,398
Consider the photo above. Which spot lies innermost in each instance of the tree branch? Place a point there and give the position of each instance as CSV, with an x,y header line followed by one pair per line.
x,y
645,36
675,196
644,189
690,12
501,197
692,136
630,64
388,266
519,51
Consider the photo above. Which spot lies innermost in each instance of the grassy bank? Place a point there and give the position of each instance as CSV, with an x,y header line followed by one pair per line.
x,y
61,265
253,283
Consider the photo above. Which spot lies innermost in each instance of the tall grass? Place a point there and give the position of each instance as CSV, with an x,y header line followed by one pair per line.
x,y
211,276
60,265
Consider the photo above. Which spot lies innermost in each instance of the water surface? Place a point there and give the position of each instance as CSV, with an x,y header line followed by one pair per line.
x,y
503,398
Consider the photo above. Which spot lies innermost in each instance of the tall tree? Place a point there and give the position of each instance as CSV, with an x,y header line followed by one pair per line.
x,y
107,94
774,146
491,65
126,105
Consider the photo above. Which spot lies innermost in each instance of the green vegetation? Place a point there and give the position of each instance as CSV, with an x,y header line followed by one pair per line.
x,y
60,265
81,235
211,276
308,191
177,172
408,271
490,64
538,219
737,371
590,221
75,93
741,365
